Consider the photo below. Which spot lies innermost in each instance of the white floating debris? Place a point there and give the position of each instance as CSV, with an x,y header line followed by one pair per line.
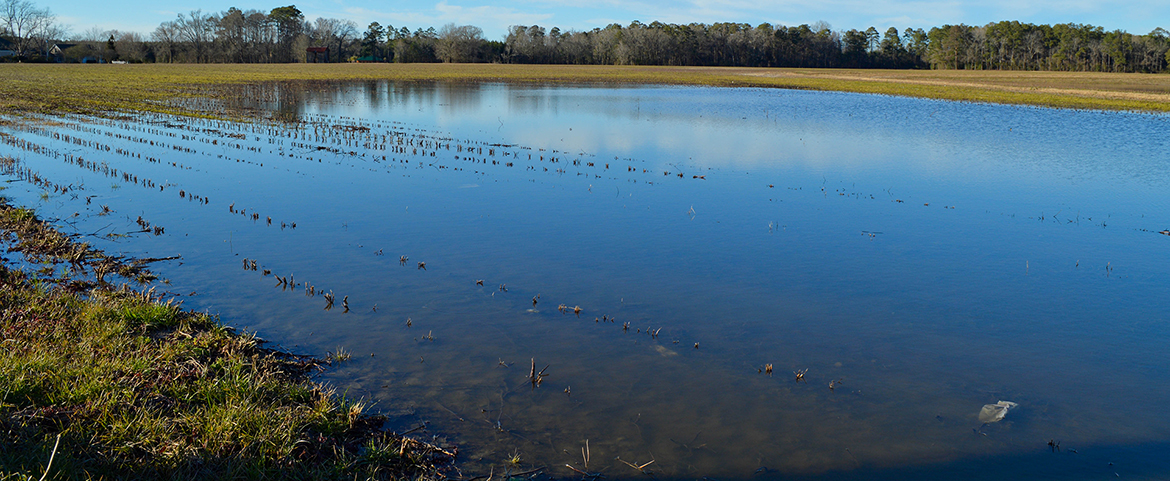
x,y
992,413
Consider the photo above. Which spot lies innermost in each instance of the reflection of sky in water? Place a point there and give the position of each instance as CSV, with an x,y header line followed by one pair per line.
x,y
941,311
872,138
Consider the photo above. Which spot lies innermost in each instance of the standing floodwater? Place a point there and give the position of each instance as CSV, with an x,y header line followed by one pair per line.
x,y
729,283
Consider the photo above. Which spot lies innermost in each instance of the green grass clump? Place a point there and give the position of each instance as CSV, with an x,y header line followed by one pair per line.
x,y
138,389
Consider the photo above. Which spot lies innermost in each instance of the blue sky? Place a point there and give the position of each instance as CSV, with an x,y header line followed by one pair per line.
x,y
494,16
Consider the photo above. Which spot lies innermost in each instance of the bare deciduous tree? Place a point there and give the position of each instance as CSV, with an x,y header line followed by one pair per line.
x,y
24,22
333,33
198,30
131,47
458,43
165,38
43,39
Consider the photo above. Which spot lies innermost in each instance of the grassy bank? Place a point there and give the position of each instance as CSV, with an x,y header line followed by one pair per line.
x,y
113,383
106,88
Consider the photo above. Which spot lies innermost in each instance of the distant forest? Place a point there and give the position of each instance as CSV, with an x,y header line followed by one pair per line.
x,y
284,35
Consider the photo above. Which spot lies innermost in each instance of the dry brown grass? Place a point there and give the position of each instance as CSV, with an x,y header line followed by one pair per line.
x,y
1130,86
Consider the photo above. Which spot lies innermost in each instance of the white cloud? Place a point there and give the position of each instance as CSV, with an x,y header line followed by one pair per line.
x,y
364,16
495,15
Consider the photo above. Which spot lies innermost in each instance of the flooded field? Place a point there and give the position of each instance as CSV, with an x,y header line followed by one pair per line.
x,y
684,282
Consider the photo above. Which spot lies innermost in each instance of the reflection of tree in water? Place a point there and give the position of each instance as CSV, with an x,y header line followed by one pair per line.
x,y
290,101
276,100
451,97
286,101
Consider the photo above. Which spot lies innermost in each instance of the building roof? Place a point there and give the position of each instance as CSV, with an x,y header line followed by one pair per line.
x,y
59,48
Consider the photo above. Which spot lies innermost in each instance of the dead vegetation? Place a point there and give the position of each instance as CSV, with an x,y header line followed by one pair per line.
x,y
40,242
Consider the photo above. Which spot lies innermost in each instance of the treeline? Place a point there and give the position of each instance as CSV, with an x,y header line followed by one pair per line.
x,y
280,35
284,35
720,44
999,46
1024,46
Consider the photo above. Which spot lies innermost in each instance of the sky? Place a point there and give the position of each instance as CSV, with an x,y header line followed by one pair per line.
x,y
495,16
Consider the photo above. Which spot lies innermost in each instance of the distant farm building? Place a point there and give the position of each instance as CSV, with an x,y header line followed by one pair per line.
x,y
314,54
